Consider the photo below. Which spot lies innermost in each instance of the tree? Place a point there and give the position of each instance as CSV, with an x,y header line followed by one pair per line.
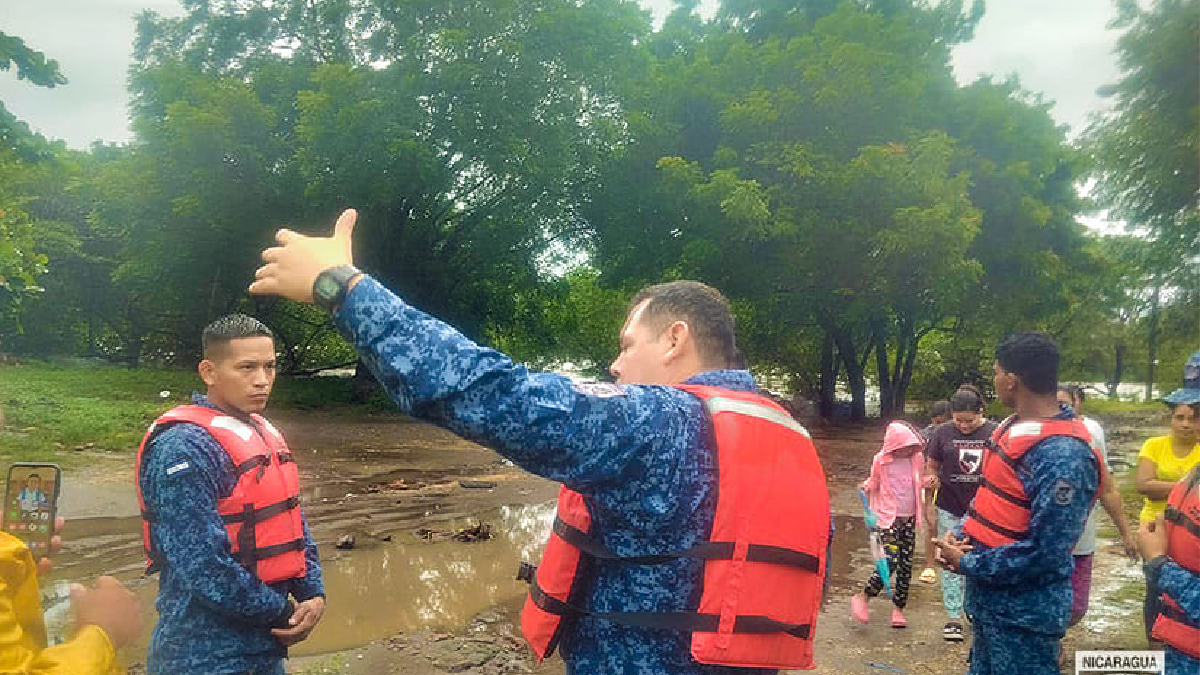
x,y
1144,150
823,168
34,67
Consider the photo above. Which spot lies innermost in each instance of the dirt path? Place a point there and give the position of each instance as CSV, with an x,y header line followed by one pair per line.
x,y
423,604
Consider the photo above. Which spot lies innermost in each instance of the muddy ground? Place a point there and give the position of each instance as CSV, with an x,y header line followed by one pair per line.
x,y
410,599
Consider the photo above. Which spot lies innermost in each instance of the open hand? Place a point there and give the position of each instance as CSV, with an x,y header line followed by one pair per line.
x,y
111,606
304,619
293,266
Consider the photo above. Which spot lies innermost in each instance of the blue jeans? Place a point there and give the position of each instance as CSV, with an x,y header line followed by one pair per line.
x,y
952,584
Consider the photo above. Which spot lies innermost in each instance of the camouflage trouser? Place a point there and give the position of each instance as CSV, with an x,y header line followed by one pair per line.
x,y
1003,650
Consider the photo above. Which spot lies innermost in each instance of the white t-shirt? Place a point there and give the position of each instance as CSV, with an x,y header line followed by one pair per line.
x,y
1087,541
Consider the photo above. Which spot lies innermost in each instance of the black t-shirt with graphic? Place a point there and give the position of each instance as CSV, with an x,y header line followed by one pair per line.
x,y
961,458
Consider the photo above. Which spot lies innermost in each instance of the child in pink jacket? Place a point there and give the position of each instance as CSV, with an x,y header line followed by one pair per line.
x,y
894,491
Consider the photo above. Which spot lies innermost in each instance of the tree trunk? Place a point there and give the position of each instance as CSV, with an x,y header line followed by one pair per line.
x,y
879,333
827,384
905,378
854,374
1152,347
1114,381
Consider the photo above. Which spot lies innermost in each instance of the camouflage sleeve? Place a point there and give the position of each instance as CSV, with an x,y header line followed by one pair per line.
x,y
181,485
580,435
312,584
1183,587
1060,478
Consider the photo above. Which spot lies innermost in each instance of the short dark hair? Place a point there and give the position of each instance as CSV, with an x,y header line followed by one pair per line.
x,y
967,399
231,327
705,311
1033,358
939,409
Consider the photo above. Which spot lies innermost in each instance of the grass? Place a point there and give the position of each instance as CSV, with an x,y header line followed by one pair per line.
x,y
50,408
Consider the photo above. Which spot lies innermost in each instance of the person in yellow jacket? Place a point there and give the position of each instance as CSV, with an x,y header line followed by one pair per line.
x,y
107,617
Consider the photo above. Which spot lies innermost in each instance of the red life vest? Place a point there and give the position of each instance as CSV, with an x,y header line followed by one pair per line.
x,y
1182,521
764,561
262,513
999,514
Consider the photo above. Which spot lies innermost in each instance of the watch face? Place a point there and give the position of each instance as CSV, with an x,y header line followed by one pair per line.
x,y
326,288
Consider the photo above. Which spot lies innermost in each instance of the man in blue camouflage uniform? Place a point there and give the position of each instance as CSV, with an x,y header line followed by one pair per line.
x,y
642,454
214,616
1181,584
1019,595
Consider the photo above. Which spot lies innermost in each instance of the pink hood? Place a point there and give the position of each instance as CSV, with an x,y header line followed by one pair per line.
x,y
879,491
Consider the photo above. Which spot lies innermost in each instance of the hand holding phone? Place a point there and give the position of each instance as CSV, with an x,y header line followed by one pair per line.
x,y
31,507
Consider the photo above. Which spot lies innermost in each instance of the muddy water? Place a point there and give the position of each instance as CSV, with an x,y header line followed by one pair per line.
x,y
409,583
375,591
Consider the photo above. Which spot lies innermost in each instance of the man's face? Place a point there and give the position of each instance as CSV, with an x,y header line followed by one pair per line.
x,y
1005,384
240,374
643,352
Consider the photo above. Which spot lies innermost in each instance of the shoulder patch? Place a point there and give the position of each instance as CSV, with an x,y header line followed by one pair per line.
x,y
1063,492
601,389
1025,429
182,466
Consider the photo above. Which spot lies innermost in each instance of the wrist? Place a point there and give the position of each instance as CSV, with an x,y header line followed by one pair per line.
x,y
330,287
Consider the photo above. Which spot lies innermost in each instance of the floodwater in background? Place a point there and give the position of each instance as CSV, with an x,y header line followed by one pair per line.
x,y
375,590
409,583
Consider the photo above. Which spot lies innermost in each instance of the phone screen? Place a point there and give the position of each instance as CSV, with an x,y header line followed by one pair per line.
x,y
30,504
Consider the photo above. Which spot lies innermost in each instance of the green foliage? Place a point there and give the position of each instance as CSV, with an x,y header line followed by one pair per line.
x,y
64,405
1145,149
34,67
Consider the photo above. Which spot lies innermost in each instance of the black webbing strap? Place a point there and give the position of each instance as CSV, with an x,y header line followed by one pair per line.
x,y
1175,614
285,457
1005,495
265,512
255,462
1177,517
1011,534
264,552
246,541
680,621
713,550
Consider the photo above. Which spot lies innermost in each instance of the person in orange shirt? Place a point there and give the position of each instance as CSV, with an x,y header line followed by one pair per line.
x,y
107,617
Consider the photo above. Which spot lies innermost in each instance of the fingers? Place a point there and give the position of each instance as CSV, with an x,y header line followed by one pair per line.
x,y
59,524
44,566
270,255
284,235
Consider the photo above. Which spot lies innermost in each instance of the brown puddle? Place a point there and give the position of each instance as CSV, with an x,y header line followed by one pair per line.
x,y
377,590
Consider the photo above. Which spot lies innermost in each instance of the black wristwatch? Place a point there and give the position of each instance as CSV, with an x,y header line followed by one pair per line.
x,y
330,287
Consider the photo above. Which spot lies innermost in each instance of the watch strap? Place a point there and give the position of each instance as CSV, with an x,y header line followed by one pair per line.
x,y
331,285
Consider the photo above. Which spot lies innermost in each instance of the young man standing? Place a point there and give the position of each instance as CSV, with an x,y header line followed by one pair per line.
x,y
222,520
1040,478
647,571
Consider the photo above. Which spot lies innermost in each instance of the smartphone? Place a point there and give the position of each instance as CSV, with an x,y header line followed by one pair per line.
x,y
31,504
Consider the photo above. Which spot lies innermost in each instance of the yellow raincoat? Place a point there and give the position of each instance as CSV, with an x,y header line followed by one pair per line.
x,y
23,648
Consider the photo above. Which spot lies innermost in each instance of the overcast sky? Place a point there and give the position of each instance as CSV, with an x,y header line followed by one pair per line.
x,y
1059,48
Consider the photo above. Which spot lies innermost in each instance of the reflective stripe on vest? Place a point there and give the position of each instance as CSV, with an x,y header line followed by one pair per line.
x,y
763,570
999,513
1182,521
262,513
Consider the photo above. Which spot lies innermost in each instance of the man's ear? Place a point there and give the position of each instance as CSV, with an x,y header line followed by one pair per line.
x,y
208,372
679,336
